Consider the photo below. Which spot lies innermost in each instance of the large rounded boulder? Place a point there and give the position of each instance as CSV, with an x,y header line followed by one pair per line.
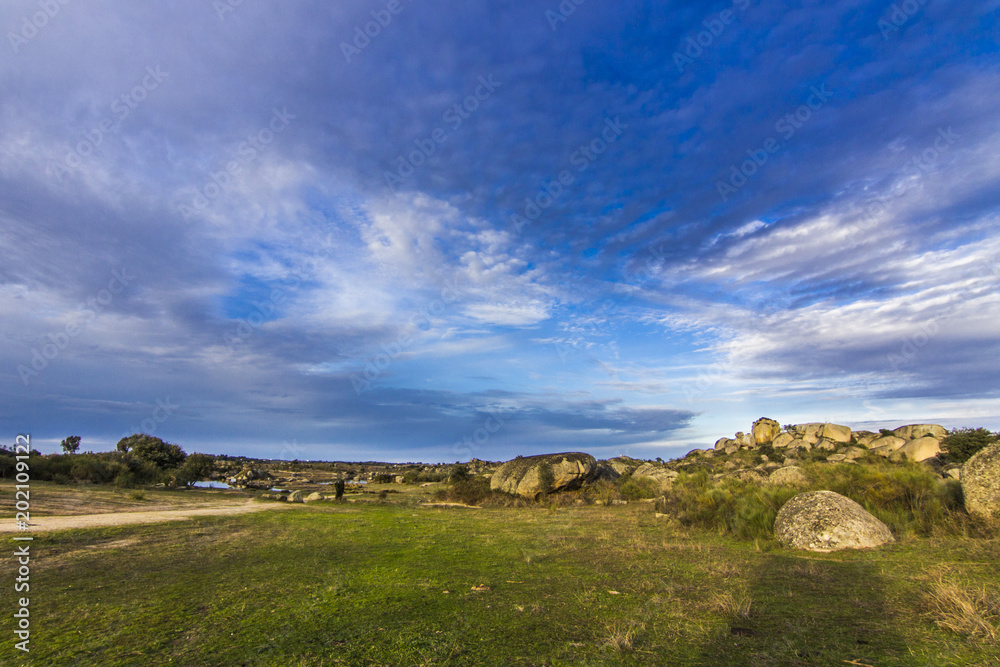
x,y
981,482
920,449
524,475
827,521
765,430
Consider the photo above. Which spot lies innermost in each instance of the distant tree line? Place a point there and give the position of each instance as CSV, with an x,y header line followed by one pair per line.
x,y
138,459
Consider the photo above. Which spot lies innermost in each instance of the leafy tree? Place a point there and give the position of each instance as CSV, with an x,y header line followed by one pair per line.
x,y
71,444
459,473
196,466
152,449
961,443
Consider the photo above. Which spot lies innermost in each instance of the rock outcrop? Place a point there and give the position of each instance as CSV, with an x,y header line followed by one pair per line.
x,y
981,482
663,476
914,431
523,475
828,521
765,430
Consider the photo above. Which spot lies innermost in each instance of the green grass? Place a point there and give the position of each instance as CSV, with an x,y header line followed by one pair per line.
x,y
384,584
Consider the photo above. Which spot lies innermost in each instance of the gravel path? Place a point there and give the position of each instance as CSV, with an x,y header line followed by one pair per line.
x,y
127,518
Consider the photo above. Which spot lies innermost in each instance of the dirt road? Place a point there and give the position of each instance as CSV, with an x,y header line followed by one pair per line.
x,y
45,523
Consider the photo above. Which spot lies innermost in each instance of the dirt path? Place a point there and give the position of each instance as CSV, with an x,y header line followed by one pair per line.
x,y
127,518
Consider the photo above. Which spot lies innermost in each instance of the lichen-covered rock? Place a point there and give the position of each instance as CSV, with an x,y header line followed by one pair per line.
x,y
891,441
789,475
723,443
663,476
981,482
864,438
836,433
521,476
623,464
828,521
313,497
782,440
295,497
914,431
826,445
765,430
799,444
920,449
855,453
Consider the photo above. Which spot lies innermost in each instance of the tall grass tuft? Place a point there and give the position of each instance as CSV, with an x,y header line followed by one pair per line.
x,y
966,611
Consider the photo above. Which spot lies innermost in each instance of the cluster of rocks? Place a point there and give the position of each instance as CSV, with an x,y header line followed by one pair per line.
x,y
916,442
252,478
524,475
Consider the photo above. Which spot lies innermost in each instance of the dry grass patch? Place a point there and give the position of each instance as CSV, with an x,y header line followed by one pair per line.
x,y
735,605
966,611
621,636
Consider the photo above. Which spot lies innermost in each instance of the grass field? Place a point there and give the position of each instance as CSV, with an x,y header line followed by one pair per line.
x,y
397,584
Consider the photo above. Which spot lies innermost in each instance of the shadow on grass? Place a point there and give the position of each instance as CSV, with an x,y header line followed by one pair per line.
x,y
801,608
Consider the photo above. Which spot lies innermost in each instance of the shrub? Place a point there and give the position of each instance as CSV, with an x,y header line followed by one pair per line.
x,y
636,489
961,443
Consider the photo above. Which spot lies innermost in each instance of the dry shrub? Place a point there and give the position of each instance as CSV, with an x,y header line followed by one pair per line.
x,y
621,636
733,605
966,611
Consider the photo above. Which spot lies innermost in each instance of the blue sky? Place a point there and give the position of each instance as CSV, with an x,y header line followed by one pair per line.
x,y
491,230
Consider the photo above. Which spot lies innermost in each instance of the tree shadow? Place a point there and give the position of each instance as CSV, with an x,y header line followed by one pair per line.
x,y
803,608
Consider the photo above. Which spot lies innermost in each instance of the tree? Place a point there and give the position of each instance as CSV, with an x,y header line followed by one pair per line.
x,y
459,473
152,449
196,466
71,444
961,443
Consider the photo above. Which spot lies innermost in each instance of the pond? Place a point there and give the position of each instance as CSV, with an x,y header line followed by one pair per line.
x,y
211,485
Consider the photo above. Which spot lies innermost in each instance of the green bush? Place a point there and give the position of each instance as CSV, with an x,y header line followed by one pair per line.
x,y
469,491
961,443
636,489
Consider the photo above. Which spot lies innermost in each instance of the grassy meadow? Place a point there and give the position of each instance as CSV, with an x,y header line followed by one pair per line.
x,y
386,582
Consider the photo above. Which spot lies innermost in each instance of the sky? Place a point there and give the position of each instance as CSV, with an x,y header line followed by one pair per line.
x,y
412,230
